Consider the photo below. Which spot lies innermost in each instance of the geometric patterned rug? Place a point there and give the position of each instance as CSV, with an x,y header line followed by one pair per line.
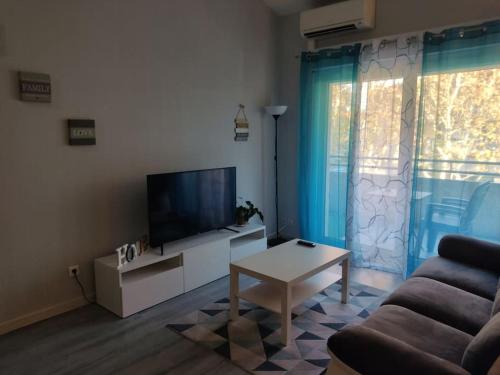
x,y
252,342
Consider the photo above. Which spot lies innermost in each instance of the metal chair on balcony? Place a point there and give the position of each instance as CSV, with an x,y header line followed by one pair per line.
x,y
452,215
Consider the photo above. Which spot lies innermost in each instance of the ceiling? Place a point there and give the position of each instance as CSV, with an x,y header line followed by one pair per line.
x,y
286,7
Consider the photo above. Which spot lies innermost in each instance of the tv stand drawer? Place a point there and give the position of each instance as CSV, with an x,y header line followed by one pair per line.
x,y
204,264
147,292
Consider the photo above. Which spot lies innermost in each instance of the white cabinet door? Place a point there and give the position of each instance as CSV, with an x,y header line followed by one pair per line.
x,y
205,263
149,291
247,249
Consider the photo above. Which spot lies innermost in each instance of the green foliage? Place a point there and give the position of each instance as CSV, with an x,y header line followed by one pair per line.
x,y
461,122
248,211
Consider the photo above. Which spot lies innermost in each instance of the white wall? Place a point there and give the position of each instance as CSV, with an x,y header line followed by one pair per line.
x,y
163,80
392,17
290,45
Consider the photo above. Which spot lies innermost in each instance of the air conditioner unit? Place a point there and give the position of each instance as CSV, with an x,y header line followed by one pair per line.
x,y
345,16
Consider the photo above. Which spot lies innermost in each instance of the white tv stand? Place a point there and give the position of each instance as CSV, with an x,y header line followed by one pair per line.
x,y
185,265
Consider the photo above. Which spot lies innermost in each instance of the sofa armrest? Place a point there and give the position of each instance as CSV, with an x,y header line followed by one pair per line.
x,y
371,352
471,251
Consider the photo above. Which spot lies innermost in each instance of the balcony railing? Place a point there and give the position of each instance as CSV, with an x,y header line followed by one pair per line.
x,y
430,168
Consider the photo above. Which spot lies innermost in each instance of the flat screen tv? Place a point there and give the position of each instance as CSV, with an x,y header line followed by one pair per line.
x,y
187,203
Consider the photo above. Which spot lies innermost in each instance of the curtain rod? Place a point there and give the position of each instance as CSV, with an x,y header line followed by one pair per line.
x,y
461,30
338,50
409,40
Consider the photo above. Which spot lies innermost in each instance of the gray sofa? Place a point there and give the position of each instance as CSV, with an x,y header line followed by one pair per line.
x,y
443,320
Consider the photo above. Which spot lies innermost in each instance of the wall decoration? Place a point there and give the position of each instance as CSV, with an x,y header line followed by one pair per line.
x,y
241,125
81,132
34,87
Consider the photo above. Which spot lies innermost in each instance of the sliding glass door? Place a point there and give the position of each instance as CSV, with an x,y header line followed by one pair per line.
x,y
400,145
457,162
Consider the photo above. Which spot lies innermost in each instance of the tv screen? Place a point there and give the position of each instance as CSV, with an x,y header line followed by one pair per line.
x,y
186,203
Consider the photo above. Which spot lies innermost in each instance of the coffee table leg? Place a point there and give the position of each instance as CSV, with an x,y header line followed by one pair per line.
x,y
345,280
286,314
233,293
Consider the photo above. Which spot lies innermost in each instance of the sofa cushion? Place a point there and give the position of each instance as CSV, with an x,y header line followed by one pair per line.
x,y
496,304
370,352
420,332
484,349
455,307
471,251
460,275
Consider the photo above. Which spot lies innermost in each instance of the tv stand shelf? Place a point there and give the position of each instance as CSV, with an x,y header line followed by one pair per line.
x,y
150,270
185,265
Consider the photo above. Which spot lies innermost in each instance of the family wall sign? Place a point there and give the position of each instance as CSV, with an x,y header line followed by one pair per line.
x,y
34,87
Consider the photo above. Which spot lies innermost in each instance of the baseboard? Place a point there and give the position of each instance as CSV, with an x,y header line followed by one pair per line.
x,y
42,314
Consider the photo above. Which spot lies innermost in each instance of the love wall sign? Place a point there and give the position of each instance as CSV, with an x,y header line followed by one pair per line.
x,y
34,87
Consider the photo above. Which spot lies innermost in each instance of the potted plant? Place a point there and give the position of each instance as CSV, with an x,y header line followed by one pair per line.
x,y
245,213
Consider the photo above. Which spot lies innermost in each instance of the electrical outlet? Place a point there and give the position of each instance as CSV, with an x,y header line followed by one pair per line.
x,y
72,269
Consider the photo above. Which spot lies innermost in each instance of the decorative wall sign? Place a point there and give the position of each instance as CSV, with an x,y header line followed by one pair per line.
x,y
34,87
241,125
81,132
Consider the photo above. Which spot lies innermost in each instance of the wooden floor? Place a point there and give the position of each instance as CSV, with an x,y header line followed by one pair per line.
x,y
92,340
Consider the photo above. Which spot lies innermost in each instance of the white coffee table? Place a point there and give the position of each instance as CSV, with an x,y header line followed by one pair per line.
x,y
289,275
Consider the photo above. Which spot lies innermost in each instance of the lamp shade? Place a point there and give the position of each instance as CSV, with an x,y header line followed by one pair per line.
x,y
276,110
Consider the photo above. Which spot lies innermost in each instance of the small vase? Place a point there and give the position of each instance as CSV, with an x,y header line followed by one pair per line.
x,y
241,221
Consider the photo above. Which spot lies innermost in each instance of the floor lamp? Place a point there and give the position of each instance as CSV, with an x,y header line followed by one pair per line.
x,y
276,111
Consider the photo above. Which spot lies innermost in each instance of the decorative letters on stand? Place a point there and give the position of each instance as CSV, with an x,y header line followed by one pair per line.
x,y
129,252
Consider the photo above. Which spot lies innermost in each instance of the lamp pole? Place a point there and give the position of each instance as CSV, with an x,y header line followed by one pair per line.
x,y
276,111
276,117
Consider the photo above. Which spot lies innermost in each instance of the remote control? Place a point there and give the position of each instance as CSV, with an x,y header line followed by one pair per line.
x,y
305,243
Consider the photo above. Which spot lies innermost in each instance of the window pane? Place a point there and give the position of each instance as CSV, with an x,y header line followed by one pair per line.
x,y
462,125
339,122
339,118
458,161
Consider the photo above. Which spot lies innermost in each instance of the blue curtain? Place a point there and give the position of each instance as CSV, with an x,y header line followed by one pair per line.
x,y
328,81
456,181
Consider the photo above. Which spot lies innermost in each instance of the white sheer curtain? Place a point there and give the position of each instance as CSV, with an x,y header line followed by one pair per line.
x,y
382,149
